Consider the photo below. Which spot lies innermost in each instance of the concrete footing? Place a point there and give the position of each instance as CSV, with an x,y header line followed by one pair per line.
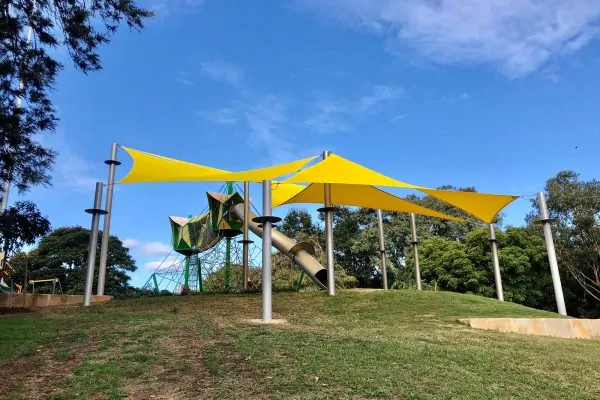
x,y
557,327
271,322
45,300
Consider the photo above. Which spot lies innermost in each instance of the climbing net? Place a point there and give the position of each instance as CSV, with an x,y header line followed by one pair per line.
x,y
207,254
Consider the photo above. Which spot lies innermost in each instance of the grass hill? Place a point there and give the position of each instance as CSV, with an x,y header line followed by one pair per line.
x,y
357,345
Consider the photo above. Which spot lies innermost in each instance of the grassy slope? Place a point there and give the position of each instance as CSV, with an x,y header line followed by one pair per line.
x,y
397,344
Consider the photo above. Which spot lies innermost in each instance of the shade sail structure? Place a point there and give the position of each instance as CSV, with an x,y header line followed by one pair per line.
x,y
282,192
481,205
336,169
361,196
149,167
260,174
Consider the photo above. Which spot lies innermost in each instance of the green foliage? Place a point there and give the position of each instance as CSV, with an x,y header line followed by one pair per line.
x,y
574,206
63,254
447,262
298,221
28,72
21,224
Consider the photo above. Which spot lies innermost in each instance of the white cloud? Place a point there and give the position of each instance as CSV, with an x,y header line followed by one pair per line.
x,y
147,248
71,170
224,72
520,36
397,118
380,94
222,116
267,120
331,116
164,263
131,243
165,8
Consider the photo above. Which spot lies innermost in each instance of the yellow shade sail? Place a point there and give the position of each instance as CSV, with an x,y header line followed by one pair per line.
x,y
481,205
282,192
336,169
362,196
149,167
260,174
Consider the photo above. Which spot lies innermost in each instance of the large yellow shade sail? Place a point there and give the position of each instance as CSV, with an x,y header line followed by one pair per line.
x,y
481,205
336,169
260,174
361,196
282,192
149,167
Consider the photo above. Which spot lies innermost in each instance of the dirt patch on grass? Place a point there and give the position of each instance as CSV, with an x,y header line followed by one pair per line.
x,y
35,376
195,365
16,310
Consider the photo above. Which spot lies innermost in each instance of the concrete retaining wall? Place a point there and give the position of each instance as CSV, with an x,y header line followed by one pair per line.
x,y
556,327
46,300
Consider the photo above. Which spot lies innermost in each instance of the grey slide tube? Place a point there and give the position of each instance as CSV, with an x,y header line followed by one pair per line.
x,y
301,253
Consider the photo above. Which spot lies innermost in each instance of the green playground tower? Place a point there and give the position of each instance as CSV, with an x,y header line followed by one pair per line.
x,y
193,235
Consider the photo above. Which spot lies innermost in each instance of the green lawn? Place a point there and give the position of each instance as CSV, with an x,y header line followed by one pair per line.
x,y
357,345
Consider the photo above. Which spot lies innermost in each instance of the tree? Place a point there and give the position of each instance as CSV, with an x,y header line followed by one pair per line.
x,y
298,221
28,72
574,207
63,254
447,265
20,225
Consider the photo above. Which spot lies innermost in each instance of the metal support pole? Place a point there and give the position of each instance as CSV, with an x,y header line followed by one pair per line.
x,y
112,164
495,260
266,219
246,241
329,234
382,249
415,246
96,211
545,220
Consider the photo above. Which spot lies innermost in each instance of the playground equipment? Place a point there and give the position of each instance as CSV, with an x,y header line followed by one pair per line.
x,y
205,244
6,271
333,180
54,281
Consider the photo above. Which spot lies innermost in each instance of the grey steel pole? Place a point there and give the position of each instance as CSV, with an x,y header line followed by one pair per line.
x,y
246,240
18,104
382,249
266,252
112,164
545,220
329,235
96,211
415,245
495,260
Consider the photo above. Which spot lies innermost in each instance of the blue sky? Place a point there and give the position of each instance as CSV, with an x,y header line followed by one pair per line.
x,y
495,94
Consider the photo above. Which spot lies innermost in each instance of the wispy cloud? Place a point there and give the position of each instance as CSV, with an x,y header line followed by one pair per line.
x,y
332,115
267,120
165,8
71,169
222,71
222,116
397,118
147,248
380,93
185,79
164,263
521,36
